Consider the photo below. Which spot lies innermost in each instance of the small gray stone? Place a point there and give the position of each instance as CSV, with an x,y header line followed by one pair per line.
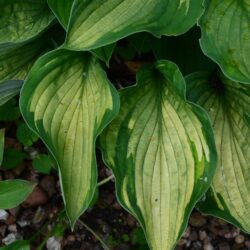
x,y
10,238
3,215
54,243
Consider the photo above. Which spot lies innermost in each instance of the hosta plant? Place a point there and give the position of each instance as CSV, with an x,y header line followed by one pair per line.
x,y
175,137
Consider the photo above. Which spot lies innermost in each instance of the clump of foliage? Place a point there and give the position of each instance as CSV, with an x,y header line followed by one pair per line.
x,y
176,138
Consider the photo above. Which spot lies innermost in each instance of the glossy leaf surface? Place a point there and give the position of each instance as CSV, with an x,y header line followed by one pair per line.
x,y
95,23
162,153
228,104
67,100
14,192
23,20
226,36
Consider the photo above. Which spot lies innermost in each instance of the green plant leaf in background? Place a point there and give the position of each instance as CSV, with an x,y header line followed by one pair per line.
x,y
1,144
9,111
23,20
67,100
12,158
43,164
226,36
9,89
183,50
162,153
228,104
95,23
17,245
14,192
25,135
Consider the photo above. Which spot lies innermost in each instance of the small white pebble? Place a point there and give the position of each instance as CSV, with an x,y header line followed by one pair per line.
x,y
3,215
10,238
208,246
12,228
54,243
239,239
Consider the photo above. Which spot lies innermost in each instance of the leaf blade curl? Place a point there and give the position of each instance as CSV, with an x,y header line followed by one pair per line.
x,y
227,104
162,153
226,37
94,24
67,100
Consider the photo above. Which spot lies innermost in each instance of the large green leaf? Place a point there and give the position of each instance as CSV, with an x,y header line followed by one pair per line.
x,y
14,192
226,36
23,20
95,23
16,59
67,100
228,104
9,89
162,152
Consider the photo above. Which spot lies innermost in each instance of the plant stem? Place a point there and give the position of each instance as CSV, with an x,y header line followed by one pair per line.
x,y
105,180
96,235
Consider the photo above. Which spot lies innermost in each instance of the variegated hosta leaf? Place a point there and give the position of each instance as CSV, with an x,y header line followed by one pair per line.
x,y
62,11
67,100
16,59
95,23
162,152
228,104
226,36
23,20
9,89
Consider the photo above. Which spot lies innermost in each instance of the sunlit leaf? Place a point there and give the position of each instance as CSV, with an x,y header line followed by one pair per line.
x,y
14,192
67,100
162,153
95,23
23,20
226,36
228,104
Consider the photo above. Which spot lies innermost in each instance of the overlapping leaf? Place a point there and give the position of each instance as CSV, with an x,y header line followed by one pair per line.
x,y
61,10
1,145
16,59
9,89
226,36
14,192
68,100
162,153
228,104
23,20
95,23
